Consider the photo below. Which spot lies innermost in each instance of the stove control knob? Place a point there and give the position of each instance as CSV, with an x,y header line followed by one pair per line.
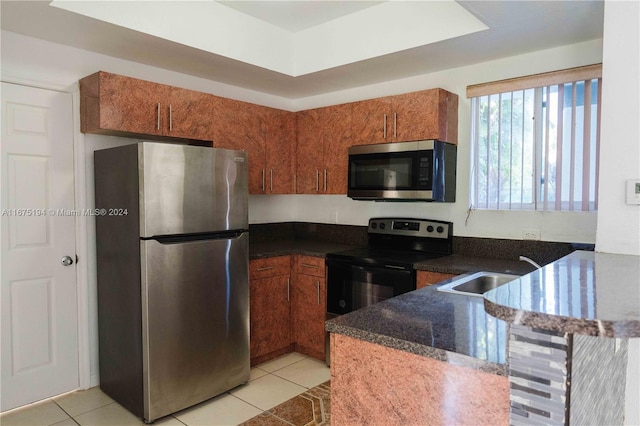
x,y
382,225
374,225
440,229
429,228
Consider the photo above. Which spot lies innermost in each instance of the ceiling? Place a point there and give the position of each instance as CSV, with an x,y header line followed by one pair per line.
x,y
297,49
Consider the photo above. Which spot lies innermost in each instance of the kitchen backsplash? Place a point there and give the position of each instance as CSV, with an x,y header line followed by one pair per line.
x,y
542,252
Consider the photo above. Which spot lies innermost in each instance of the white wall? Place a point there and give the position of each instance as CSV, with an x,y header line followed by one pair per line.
x,y
619,223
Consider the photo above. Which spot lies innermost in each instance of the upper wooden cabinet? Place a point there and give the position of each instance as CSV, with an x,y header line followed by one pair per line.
x,y
268,136
427,114
241,125
324,137
304,152
279,168
117,105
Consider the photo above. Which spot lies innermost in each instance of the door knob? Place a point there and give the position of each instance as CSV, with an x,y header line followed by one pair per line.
x,y
67,260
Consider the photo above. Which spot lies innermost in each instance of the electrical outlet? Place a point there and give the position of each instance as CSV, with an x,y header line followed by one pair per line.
x,y
531,234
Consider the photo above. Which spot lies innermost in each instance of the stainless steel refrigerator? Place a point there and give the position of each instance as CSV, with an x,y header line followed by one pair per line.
x,y
173,286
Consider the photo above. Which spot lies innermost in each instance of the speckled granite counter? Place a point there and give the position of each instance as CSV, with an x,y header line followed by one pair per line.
x,y
274,248
462,264
589,293
428,322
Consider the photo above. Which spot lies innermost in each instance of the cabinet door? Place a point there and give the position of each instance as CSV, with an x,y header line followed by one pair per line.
x,y
115,104
309,308
309,151
190,114
280,144
242,127
368,121
337,139
428,114
270,324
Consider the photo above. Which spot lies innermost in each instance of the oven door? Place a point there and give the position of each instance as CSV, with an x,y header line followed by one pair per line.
x,y
351,286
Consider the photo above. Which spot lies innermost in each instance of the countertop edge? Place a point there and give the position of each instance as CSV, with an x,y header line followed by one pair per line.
x,y
443,355
605,267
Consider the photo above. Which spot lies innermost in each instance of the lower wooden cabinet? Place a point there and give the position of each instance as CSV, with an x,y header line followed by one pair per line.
x,y
309,306
270,308
427,278
288,302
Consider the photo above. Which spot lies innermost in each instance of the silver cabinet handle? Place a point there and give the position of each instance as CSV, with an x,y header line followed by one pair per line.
x,y
395,121
318,286
170,119
384,127
308,265
288,288
325,180
158,118
317,180
271,180
67,261
265,268
263,180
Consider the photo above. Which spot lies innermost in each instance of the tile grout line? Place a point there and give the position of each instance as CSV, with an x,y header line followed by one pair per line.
x,y
64,411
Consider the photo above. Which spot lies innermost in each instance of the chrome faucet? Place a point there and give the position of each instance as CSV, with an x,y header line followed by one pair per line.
x,y
526,259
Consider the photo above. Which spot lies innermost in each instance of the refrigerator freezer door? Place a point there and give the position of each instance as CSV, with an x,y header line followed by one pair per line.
x,y
195,324
188,189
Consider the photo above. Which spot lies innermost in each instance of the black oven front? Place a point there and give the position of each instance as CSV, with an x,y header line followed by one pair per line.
x,y
351,286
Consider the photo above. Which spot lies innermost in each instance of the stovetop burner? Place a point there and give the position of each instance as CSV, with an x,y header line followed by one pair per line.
x,y
401,242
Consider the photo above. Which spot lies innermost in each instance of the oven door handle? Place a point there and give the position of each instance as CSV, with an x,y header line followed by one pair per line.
x,y
379,268
395,267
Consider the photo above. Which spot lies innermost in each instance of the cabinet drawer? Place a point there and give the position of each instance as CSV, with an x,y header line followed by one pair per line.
x,y
310,265
269,267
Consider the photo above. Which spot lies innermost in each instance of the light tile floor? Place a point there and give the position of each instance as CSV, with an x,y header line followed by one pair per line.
x,y
270,384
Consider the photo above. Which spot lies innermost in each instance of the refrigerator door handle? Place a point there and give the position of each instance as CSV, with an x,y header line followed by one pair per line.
x,y
178,239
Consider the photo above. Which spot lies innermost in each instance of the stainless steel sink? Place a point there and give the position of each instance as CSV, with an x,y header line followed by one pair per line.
x,y
478,283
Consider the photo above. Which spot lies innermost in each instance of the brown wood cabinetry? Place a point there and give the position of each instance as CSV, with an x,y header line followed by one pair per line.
x,y
427,114
304,152
309,296
112,104
280,147
242,126
270,308
324,137
427,278
267,135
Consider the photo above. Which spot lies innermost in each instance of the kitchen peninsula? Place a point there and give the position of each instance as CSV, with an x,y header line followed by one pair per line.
x,y
431,357
569,328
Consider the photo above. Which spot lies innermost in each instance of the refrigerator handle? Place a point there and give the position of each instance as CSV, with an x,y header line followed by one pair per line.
x,y
288,289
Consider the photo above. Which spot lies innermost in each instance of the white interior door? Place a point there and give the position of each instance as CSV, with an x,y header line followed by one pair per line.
x,y
39,297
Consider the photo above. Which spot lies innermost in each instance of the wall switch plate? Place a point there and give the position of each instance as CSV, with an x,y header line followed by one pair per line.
x,y
633,191
531,234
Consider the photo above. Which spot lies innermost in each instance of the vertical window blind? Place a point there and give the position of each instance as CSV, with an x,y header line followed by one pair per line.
x,y
535,141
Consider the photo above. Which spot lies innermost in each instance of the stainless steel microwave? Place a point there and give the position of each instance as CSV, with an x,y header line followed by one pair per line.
x,y
404,171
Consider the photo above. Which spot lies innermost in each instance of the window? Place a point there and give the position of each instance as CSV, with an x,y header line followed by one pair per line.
x,y
535,142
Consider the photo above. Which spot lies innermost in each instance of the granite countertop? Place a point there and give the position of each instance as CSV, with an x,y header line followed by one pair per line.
x,y
597,294
447,327
274,248
462,264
